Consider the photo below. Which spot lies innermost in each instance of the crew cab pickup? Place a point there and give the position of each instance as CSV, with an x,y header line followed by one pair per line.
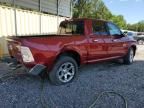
x,y
78,41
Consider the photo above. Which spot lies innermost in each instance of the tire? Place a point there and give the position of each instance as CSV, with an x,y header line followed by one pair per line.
x,y
128,59
64,71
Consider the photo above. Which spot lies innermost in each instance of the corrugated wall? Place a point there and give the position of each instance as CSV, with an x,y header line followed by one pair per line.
x,y
27,23
63,7
7,1
49,6
7,24
28,4
37,17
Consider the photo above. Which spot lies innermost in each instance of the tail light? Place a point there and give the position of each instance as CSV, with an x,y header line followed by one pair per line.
x,y
26,54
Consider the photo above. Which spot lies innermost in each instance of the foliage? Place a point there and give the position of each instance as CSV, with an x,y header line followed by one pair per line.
x,y
120,21
137,26
90,9
97,9
82,8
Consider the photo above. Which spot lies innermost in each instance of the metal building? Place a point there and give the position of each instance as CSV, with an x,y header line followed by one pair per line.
x,y
30,17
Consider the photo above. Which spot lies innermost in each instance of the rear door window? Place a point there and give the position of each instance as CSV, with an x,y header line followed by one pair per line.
x,y
72,28
99,28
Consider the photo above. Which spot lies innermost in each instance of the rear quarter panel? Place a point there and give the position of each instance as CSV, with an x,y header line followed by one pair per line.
x,y
46,49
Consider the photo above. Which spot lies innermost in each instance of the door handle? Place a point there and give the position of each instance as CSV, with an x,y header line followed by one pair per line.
x,y
95,40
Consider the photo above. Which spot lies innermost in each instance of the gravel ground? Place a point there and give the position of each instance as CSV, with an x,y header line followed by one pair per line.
x,y
23,91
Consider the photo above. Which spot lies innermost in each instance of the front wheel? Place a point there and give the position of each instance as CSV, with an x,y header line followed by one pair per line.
x,y
64,71
129,58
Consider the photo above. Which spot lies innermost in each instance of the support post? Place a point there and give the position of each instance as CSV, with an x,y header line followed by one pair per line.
x,y
40,16
15,17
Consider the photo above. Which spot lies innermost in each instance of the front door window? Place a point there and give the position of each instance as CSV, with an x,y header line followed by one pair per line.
x,y
114,30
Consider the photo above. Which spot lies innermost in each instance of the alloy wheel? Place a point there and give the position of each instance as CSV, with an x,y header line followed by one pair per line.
x,y
66,72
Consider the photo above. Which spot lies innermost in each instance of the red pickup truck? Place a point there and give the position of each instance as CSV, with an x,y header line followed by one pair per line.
x,y
79,41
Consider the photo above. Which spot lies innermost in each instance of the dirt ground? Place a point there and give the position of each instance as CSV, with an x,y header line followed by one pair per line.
x,y
24,91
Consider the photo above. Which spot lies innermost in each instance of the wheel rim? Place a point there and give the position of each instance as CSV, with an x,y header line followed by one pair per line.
x,y
66,72
131,56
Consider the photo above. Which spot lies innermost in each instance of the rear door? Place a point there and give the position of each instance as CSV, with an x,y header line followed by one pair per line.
x,y
97,48
117,45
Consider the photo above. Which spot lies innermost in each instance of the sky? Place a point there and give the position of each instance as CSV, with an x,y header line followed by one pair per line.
x,y
132,10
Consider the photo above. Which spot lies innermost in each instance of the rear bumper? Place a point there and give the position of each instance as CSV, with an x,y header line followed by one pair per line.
x,y
35,69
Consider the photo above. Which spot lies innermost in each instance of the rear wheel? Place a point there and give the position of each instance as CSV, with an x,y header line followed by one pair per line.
x,y
64,70
129,58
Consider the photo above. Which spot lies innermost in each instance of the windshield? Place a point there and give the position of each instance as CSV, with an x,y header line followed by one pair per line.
x,y
70,28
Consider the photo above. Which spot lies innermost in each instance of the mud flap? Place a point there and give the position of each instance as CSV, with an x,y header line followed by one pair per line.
x,y
37,69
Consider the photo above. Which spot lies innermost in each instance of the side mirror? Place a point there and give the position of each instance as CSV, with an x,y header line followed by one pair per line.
x,y
124,34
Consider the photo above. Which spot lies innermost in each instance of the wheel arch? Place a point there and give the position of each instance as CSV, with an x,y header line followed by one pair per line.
x,y
71,53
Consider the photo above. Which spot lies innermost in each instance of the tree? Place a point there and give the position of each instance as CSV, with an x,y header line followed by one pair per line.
x,y
96,9
100,11
82,8
120,21
90,9
137,26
